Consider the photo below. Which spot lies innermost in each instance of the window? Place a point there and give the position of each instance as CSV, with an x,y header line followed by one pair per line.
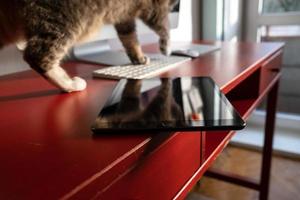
x,y
280,31
280,6
289,93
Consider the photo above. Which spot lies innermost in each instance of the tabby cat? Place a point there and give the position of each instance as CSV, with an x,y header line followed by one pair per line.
x,y
50,27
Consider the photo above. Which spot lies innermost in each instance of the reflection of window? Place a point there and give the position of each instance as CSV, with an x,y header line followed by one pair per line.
x,y
280,6
193,104
187,107
220,108
195,99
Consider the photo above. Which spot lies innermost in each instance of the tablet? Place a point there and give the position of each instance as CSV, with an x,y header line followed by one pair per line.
x,y
165,104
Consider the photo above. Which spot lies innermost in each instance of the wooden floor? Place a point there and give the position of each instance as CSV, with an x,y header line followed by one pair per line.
x,y
285,181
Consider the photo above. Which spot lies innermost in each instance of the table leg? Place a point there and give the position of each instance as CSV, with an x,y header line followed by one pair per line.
x,y
268,142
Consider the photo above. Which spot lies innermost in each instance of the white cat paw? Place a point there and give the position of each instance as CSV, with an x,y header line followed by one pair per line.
x,y
165,47
147,60
78,84
168,51
142,61
58,77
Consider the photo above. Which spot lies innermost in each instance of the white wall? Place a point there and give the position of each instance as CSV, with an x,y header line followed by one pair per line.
x,y
11,60
184,32
222,19
233,18
212,19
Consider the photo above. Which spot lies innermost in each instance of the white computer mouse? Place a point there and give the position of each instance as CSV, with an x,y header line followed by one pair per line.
x,y
186,52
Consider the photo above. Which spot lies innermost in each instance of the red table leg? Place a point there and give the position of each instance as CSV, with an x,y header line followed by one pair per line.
x,y
268,142
263,185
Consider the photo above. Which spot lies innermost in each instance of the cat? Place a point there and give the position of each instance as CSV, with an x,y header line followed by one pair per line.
x,y
51,27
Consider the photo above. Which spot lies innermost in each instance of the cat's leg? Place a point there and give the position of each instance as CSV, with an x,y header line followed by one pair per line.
x,y
44,54
130,101
128,36
160,24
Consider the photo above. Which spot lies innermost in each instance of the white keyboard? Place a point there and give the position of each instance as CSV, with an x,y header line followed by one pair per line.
x,y
158,65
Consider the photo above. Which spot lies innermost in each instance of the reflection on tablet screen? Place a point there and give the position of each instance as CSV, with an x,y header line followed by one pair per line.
x,y
168,104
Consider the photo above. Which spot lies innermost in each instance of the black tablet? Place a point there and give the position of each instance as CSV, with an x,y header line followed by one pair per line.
x,y
165,104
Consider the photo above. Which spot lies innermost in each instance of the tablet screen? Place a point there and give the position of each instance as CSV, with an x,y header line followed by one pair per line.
x,y
167,104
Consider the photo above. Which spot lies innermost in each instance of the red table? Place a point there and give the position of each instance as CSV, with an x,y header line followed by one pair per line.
x,y
47,150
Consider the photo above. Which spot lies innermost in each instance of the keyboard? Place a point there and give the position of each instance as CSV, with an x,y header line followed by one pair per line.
x,y
158,64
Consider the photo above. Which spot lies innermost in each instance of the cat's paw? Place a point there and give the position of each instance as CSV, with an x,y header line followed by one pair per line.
x,y
78,84
165,47
142,61
146,60
58,77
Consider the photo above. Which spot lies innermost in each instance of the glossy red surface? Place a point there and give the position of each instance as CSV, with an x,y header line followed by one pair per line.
x,y
47,150
176,160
